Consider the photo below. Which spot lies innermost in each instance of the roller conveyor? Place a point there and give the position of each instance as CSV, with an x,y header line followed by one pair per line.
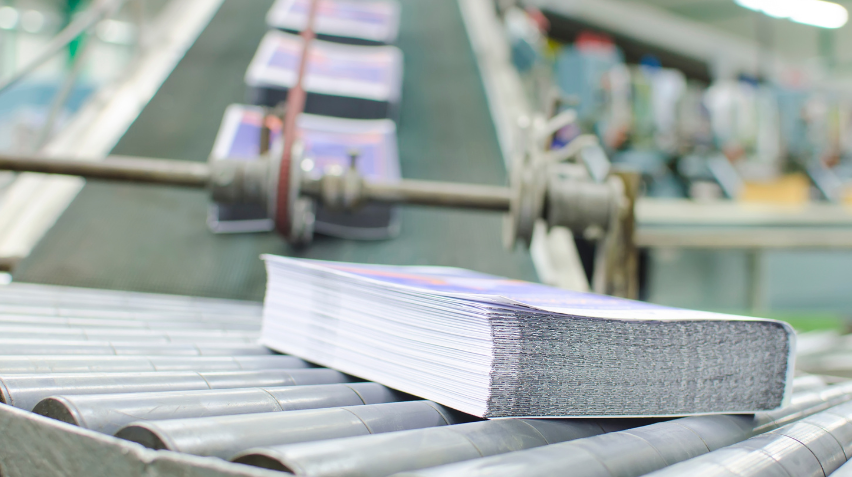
x,y
192,414
90,364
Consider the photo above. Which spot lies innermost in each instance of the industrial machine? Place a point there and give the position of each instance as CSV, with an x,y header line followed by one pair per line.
x,y
559,193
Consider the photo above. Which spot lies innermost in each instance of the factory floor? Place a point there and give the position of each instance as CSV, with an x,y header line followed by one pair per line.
x,y
154,239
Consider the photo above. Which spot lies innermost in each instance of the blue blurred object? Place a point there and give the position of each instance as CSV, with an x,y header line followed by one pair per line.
x,y
791,111
658,179
24,108
524,55
579,74
650,61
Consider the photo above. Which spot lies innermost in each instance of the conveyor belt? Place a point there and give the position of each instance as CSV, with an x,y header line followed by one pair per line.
x,y
154,238
270,411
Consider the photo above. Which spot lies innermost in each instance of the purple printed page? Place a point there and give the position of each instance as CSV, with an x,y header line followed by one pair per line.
x,y
369,20
369,72
327,141
501,292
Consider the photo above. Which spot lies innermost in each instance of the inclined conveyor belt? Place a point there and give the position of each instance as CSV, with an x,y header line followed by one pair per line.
x,y
155,238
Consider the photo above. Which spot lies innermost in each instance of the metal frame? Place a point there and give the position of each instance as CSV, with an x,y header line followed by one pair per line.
x,y
33,445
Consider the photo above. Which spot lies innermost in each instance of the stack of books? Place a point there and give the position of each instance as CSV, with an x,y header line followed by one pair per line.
x,y
494,347
359,22
350,81
328,142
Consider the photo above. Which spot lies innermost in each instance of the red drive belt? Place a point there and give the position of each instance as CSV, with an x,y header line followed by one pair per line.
x,y
295,106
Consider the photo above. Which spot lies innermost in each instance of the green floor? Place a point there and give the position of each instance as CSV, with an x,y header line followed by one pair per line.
x,y
154,239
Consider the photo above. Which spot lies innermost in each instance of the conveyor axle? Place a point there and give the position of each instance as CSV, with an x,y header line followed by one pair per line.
x,y
540,191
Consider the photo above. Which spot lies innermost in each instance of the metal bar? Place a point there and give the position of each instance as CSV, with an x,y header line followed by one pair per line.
x,y
102,364
65,347
61,295
26,390
164,325
430,193
192,174
92,332
639,451
444,194
108,413
117,315
224,436
9,305
110,334
815,446
115,168
386,454
9,308
127,312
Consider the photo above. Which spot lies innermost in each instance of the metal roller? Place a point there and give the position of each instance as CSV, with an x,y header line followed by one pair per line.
x,y
227,435
112,334
149,316
636,452
123,302
107,413
844,471
103,364
9,307
815,446
26,390
385,454
64,347
808,382
113,323
95,333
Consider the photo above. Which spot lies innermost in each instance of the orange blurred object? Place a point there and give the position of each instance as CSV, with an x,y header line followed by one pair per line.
x,y
792,189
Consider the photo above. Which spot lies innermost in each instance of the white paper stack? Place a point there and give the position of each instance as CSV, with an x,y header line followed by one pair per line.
x,y
351,81
348,21
494,347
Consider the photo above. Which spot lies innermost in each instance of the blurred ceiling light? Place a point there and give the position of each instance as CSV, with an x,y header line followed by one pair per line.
x,y
32,21
816,13
114,31
8,18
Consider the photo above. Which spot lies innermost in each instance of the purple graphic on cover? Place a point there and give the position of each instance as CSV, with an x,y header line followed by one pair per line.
x,y
368,20
324,143
286,57
501,292
368,72
375,13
